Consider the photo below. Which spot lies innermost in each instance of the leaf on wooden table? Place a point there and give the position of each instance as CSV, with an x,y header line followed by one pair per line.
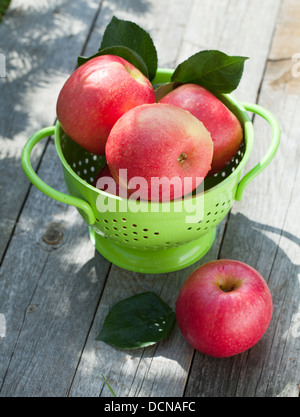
x,y
138,321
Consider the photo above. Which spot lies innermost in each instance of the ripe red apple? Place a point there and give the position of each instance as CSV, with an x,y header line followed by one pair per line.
x,y
96,95
108,183
224,127
106,179
156,143
224,308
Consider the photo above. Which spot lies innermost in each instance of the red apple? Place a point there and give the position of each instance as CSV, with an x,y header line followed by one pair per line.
x,y
224,308
96,95
156,143
226,130
105,181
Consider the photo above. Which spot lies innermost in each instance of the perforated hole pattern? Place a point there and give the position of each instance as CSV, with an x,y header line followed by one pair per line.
x,y
135,235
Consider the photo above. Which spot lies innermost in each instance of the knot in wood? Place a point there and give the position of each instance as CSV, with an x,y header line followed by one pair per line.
x,y
54,234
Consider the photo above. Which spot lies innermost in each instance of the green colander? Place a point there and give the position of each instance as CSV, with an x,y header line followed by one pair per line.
x,y
152,237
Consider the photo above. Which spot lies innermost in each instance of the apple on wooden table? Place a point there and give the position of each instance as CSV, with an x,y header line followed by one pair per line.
x,y
224,308
226,130
96,95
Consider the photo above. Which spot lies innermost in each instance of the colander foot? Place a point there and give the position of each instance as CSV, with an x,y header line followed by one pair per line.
x,y
152,261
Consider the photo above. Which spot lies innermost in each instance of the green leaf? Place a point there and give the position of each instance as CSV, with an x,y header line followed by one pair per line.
x,y
212,69
122,51
126,33
138,321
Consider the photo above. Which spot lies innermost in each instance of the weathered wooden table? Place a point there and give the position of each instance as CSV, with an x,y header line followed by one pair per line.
x,y
55,289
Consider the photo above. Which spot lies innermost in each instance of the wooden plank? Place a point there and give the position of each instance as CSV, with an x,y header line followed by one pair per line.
x,y
233,27
287,36
162,370
263,231
165,28
50,283
40,41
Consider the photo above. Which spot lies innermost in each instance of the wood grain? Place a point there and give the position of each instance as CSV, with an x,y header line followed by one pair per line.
x,y
287,35
55,289
263,231
40,41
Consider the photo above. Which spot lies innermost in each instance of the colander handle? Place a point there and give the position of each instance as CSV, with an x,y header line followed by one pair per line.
x,y
261,111
45,188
